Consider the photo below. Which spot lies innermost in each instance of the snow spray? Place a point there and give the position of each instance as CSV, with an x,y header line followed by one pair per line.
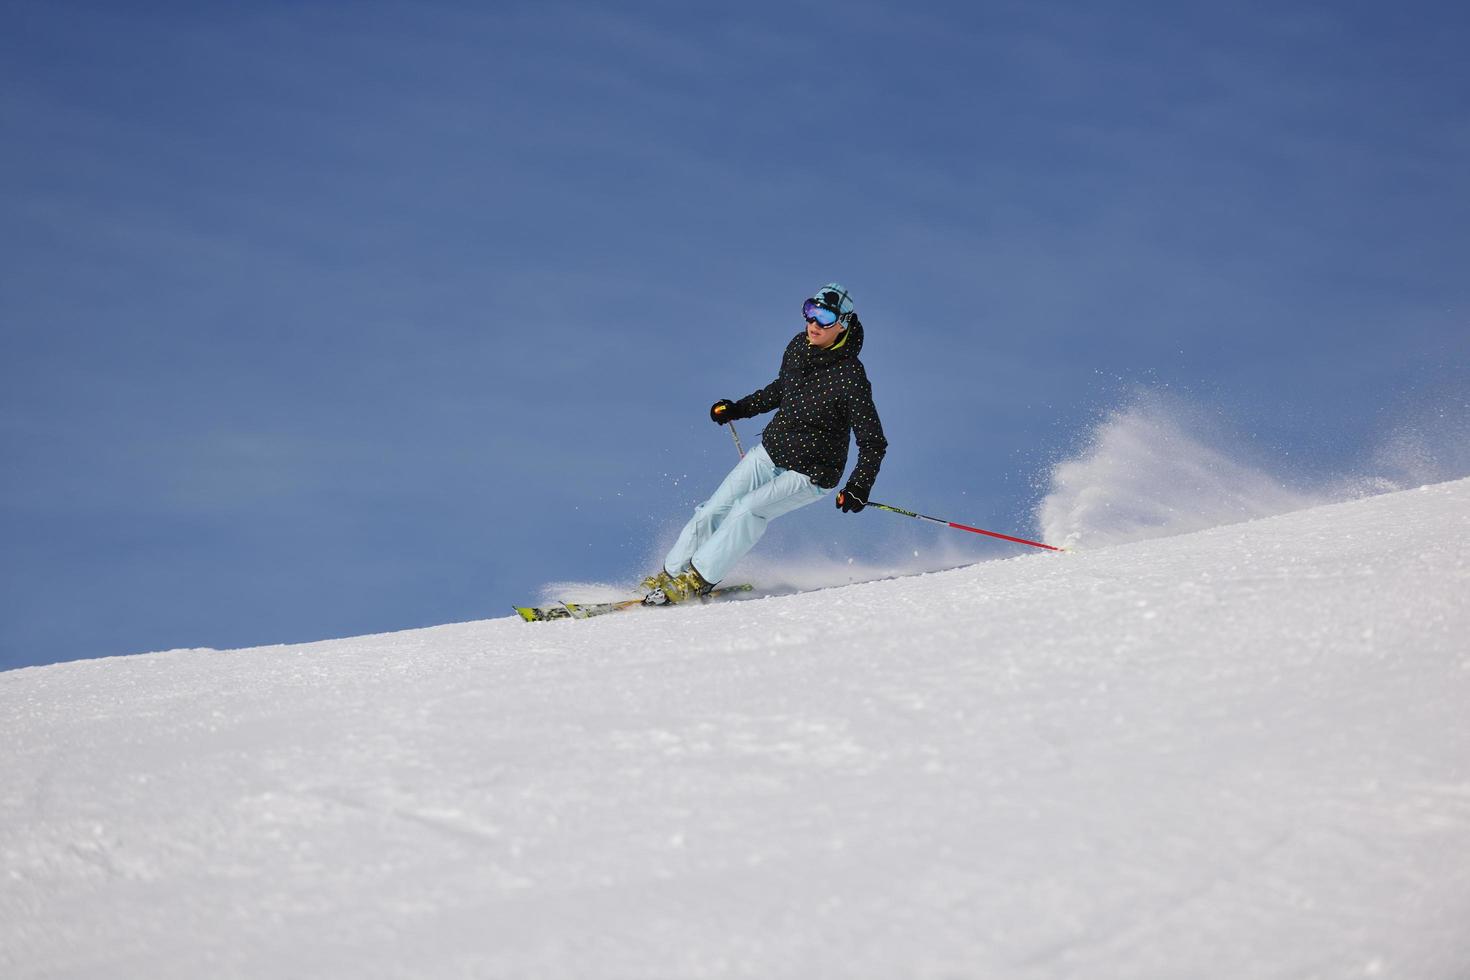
x,y
1150,471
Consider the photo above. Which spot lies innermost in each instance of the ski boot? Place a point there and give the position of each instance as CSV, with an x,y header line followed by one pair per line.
x,y
655,581
670,589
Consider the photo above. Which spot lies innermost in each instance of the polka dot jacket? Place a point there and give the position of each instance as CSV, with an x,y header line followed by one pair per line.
x,y
821,397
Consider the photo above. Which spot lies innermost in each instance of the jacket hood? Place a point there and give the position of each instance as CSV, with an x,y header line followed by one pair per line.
x,y
849,346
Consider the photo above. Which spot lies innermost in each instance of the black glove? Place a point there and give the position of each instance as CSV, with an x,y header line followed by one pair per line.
x,y
852,498
722,411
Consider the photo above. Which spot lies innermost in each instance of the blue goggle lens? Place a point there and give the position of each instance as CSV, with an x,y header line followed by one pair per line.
x,y
817,313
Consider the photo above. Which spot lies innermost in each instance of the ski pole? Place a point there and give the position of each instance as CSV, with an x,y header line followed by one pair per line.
x,y
734,435
962,527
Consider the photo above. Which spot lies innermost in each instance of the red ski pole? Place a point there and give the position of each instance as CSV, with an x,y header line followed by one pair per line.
x,y
963,527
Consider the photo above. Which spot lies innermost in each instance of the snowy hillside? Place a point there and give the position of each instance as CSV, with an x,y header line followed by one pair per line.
x,y
1243,752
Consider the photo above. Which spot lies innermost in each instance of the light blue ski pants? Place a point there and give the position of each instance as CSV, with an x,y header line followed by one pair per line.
x,y
730,522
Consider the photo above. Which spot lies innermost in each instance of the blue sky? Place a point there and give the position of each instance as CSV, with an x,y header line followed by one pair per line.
x,y
323,319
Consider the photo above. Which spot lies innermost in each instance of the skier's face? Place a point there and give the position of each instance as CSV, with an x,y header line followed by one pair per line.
x,y
821,336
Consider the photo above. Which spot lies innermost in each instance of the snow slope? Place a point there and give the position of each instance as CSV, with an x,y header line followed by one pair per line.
x,y
1243,752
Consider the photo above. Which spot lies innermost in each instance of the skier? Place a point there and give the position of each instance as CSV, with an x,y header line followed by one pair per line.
x,y
821,395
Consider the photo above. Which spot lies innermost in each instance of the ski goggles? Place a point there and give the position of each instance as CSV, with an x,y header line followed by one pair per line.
x,y
815,312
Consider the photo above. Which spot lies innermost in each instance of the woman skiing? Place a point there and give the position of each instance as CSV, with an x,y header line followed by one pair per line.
x,y
821,396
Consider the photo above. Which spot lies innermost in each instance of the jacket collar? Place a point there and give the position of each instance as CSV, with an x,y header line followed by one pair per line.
x,y
846,346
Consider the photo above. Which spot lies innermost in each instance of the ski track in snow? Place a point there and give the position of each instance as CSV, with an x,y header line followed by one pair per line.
x,y
1241,752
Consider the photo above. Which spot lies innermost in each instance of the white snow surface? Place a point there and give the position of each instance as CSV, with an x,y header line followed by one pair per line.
x,y
1241,752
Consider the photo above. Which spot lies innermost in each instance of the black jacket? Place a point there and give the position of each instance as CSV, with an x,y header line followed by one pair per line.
x,y
822,395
